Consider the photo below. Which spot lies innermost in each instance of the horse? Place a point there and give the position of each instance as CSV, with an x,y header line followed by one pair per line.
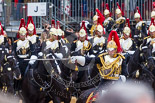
x,y
135,62
44,80
9,71
141,64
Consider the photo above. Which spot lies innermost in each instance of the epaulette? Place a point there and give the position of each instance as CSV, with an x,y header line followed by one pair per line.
x,y
66,40
74,41
147,37
121,55
16,41
102,54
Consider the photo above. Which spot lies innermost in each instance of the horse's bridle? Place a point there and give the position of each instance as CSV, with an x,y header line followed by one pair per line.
x,y
40,85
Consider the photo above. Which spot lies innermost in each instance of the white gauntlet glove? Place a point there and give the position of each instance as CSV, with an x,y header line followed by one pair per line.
x,y
33,57
73,59
80,60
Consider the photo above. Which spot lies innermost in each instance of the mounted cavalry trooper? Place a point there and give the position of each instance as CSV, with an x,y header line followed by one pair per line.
x,y
81,46
151,36
153,12
23,49
119,22
3,39
97,19
151,39
98,42
52,44
126,41
140,29
31,34
108,22
109,64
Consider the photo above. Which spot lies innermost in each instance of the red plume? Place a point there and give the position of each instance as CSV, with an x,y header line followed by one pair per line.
x,y
53,24
30,20
153,5
22,24
128,23
152,23
139,12
2,33
100,19
84,27
113,36
119,8
107,7
122,9
58,24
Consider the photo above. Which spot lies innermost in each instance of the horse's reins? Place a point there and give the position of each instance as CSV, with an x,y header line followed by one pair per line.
x,y
143,66
33,79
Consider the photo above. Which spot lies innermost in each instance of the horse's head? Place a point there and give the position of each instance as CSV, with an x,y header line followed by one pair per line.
x,y
6,73
51,65
146,55
15,68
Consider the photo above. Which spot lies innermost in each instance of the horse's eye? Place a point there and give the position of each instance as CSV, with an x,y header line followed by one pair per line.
x,y
9,69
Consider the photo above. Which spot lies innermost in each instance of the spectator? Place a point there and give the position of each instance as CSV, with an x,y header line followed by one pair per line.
x,y
47,28
128,92
43,36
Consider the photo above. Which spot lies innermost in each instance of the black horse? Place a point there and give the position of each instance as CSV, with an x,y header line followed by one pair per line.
x,y
43,81
141,64
9,71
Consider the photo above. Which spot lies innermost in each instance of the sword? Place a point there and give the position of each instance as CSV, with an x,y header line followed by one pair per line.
x,y
48,59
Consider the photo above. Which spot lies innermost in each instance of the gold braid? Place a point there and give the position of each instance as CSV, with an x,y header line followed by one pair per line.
x,y
92,29
88,47
115,68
